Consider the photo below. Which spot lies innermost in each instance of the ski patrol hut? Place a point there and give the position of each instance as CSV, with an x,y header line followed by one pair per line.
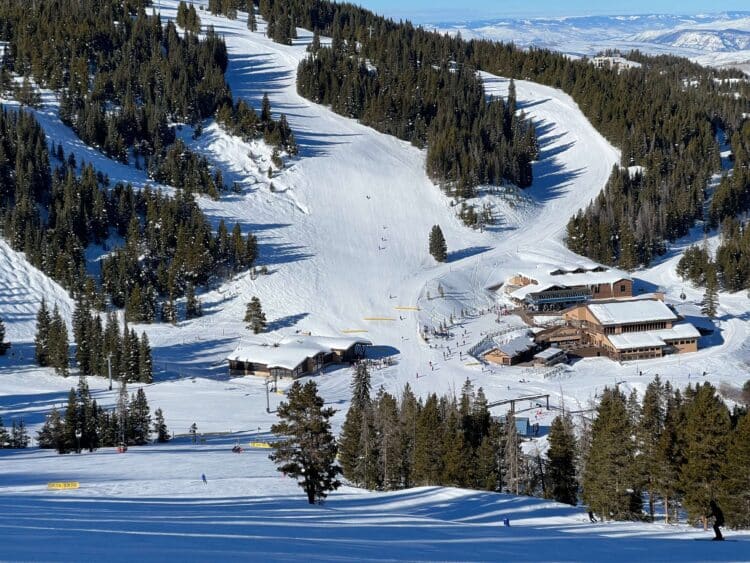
x,y
296,356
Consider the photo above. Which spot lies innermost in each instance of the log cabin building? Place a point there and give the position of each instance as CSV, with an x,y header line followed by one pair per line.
x,y
632,329
550,290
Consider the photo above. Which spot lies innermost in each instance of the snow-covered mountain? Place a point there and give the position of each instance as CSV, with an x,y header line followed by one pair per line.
x,y
699,37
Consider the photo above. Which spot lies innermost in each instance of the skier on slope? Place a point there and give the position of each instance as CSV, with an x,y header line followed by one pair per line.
x,y
203,478
718,517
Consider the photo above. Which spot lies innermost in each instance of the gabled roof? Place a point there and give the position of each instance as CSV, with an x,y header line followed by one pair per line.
x,y
631,312
291,351
517,346
653,338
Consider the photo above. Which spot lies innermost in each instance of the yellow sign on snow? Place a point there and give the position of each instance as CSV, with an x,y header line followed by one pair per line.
x,y
264,445
60,485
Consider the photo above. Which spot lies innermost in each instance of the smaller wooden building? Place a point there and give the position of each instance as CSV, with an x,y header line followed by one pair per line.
x,y
296,356
515,351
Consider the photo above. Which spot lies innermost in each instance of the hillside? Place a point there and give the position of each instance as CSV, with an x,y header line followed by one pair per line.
x,y
150,504
343,231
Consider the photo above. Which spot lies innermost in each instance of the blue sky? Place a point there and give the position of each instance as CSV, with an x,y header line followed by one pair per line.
x,y
461,10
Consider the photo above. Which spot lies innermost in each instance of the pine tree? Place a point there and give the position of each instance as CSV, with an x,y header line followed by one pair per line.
x,y
160,427
711,293
428,446
361,387
389,440
735,494
140,418
308,452
513,457
4,436
3,344
71,425
408,416
648,432
252,23
51,434
255,317
145,363
561,466
706,434
438,248
608,479
19,438
41,340
58,344
193,308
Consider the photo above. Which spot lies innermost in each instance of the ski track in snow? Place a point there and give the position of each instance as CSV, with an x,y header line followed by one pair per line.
x,y
344,236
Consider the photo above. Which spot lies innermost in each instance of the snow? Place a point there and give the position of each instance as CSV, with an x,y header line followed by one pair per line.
x,y
628,312
719,39
291,351
149,504
343,234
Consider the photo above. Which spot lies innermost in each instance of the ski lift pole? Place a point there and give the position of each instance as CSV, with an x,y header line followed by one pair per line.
x,y
109,369
268,400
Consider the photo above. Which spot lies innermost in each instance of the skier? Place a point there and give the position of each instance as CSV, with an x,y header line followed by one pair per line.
x,y
203,478
718,516
592,519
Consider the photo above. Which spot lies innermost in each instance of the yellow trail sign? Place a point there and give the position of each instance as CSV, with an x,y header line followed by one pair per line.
x,y
407,308
60,485
264,445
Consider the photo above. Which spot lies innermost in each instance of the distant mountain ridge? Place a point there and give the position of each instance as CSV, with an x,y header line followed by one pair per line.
x,y
699,37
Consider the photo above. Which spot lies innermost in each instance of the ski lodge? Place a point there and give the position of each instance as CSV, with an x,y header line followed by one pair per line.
x,y
296,356
631,329
557,289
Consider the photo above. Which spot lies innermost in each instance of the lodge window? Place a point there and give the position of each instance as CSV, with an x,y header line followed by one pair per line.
x,y
622,287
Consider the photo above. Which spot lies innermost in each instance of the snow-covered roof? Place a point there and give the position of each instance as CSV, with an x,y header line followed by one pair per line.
x,y
291,351
633,311
516,346
653,338
569,275
549,353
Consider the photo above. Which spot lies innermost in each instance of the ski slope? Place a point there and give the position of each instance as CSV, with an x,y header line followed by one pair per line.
x,y
343,231
150,505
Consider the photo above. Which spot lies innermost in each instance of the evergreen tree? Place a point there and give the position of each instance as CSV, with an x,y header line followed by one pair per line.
x,y
561,466
140,418
408,416
608,480
438,248
160,427
145,363
51,434
513,457
389,440
19,438
4,436
361,387
3,344
735,495
711,294
308,452
428,445
71,427
706,434
193,308
41,340
252,23
58,344
255,317
649,430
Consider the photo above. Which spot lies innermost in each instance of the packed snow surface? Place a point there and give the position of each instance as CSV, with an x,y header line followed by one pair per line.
x,y
343,233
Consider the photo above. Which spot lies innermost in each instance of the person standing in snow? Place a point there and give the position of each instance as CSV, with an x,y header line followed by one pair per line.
x,y
718,517
203,478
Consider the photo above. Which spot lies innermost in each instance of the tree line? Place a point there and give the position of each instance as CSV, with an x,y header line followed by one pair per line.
x,y
391,443
402,81
680,449
168,246
123,78
664,115
86,425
